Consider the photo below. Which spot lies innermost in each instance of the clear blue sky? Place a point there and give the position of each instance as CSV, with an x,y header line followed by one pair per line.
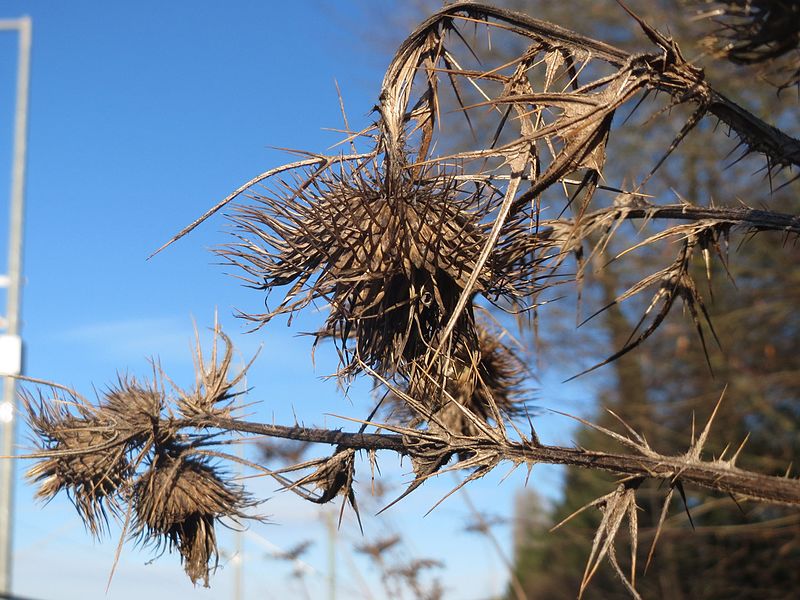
x,y
143,115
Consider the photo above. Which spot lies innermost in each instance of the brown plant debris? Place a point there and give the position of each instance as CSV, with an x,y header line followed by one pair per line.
x,y
331,476
375,550
295,552
403,244
213,392
289,452
138,461
80,457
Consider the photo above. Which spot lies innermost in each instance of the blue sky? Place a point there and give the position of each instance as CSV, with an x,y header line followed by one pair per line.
x,y
143,115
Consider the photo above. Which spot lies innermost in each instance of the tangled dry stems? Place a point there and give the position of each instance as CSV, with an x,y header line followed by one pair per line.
x,y
404,246
492,380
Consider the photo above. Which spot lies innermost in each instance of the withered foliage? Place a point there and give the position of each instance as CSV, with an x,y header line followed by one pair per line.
x,y
91,478
403,244
399,574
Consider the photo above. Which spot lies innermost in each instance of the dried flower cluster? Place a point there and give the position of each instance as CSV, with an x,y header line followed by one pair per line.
x,y
177,502
130,458
403,245
391,256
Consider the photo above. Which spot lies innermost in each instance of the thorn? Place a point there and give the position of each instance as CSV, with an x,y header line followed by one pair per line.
x,y
722,454
736,502
661,520
697,447
679,485
530,470
735,456
534,436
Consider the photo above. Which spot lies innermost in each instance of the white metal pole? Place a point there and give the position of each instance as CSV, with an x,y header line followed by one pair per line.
x,y
23,26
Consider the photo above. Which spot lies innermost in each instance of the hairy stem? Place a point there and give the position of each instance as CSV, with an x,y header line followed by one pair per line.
x,y
742,218
715,475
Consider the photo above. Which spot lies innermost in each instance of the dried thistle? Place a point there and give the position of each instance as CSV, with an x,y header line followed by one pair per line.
x,y
213,392
133,408
391,255
178,502
295,552
332,476
487,387
400,244
82,457
130,455
289,452
376,550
